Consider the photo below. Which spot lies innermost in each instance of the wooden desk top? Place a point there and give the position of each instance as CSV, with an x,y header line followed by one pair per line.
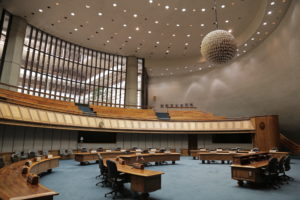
x,y
133,171
148,154
14,185
258,164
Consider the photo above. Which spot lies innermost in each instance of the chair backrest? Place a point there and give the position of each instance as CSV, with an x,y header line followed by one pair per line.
x,y
100,149
83,149
281,164
2,164
272,165
15,157
32,154
255,149
287,163
112,171
118,149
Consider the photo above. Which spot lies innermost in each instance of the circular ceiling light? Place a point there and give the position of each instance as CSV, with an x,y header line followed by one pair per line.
x,y
218,46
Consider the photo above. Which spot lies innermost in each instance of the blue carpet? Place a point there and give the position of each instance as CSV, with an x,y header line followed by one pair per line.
x,y
187,180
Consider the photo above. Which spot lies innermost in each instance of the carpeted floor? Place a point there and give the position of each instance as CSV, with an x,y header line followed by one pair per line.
x,y
187,180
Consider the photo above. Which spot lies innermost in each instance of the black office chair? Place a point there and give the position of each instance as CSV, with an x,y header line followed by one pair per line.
x,y
115,178
2,164
31,154
100,149
24,155
84,149
281,171
103,173
118,149
287,167
255,149
271,173
15,157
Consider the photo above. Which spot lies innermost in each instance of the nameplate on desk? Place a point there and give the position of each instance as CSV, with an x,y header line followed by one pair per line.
x,y
28,163
138,166
123,150
38,159
154,150
219,149
213,151
167,151
33,179
93,151
138,150
108,150
50,156
232,151
151,151
273,151
251,152
138,153
202,149
25,169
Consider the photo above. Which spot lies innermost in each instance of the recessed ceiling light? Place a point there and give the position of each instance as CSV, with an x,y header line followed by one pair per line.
x,y
175,8
257,32
167,7
185,67
245,44
202,25
149,32
265,23
114,5
177,25
100,14
203,9
150,1
173,35
137,28
167,68
101,28
58,21
129,37
73,14
183,9
194,10
157,42
230,30
272,3
135,15
253,38
244,51
270,12
124,11
75,29
40,10
107,41
226,21
87,6
188,35
186,44
223,6
57,3
156,22
200,68
167,24
125,25
167,51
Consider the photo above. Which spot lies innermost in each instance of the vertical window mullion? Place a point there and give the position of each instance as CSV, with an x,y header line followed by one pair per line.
x,y
68,72
48,67
27,57
76,74
38,63
99,78
32,61
43,65
58,69
53,65
63,72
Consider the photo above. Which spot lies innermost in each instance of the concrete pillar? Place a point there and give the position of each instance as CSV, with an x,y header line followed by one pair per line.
x,y
13,56
131,81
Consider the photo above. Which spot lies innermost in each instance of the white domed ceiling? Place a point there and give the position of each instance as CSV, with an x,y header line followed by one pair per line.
x,y
152,29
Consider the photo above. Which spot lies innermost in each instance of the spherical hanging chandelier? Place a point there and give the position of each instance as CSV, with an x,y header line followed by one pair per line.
x,y
218,46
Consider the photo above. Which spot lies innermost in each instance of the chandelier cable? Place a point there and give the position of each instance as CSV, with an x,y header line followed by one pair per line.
x,y
216,14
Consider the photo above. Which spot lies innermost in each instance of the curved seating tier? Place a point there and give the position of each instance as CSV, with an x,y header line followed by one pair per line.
x,y
192,115
39,102
124,113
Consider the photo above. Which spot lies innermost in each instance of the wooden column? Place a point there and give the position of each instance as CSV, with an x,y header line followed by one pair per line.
x,y
267,132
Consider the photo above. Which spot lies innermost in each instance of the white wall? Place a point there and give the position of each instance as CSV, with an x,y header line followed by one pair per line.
x,y
264,81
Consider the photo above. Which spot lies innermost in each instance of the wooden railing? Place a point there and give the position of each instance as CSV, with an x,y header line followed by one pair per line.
x,y
289,144
124,113
192,115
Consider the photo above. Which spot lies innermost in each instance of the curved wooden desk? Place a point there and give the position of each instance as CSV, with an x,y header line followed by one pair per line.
x,y
150,157
14,185
142,180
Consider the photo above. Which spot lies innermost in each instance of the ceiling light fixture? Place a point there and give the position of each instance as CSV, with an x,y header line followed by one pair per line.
x,y
114,5
87,6
137,28
167,7
135,15
73,14
183,9
101,28
203,9
41,10
149,32
270,12
100,14
218,46
125,25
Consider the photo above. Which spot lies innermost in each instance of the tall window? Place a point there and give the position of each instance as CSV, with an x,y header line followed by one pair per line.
x,y
60,70
5,22
140,82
